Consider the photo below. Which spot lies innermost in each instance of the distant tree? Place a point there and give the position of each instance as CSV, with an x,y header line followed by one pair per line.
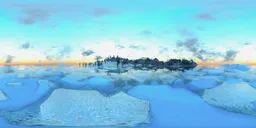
x,y
117,61
136,62
185,62
98,58
147,61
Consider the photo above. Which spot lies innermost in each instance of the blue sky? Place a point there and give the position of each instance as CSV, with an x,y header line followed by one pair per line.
x,y
206,31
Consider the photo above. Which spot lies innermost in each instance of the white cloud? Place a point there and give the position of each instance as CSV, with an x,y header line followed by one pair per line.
x,y
247,53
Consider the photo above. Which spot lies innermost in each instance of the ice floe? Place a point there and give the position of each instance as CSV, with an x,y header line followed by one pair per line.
x,y
86,108
232,96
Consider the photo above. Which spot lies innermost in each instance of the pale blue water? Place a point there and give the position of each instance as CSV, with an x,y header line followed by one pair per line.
x,y
84,97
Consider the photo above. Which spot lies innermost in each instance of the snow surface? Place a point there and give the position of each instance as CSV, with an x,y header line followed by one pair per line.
x,y
236,97
86,108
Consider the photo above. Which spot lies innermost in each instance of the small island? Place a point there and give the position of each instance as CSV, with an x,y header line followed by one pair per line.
x,y
142,63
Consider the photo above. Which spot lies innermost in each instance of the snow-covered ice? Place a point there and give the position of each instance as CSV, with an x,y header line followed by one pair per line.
x,y
70,82
198,85
88,108
101,84
236,97
179,83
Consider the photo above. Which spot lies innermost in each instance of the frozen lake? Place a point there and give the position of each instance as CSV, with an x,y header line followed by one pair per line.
x,y
69,96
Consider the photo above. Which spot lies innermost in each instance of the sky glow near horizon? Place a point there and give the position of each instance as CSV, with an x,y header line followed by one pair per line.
x,y
53,30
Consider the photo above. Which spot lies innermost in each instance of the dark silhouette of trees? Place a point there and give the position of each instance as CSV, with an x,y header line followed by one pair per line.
x,y
98,63
117,61
136,62
147,62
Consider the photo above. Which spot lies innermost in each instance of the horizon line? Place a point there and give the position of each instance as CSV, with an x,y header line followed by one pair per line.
x,y
77,63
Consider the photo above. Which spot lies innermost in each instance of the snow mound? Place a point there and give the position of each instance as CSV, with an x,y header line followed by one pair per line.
x,y
247,76
137,77
101,84
193,73
197,85
211,77
140,76
70,82
166,79
88,108
179,83
235,97
214,71
241,67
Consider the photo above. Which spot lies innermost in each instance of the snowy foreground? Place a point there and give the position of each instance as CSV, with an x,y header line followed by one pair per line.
x,y
55,97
